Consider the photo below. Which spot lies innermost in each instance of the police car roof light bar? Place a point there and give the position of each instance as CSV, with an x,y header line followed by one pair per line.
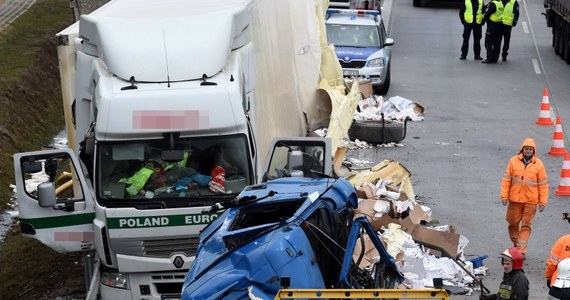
x,y
353,12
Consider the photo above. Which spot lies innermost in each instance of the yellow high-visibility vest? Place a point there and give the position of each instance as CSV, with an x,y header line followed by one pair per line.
x,y
497,16
468,15
508,13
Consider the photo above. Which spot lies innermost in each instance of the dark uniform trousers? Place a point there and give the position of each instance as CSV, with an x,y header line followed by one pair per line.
x,y
493,38
477,34
507,39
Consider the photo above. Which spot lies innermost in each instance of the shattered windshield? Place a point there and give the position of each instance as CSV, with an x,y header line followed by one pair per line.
x,y
362,36
160,170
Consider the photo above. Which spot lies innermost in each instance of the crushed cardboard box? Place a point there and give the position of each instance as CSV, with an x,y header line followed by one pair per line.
x,y
430,238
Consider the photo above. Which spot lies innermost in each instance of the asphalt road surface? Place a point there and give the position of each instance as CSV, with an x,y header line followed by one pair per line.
x,y
476,118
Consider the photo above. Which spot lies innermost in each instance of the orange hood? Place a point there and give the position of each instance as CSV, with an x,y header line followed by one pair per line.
x,y
528,142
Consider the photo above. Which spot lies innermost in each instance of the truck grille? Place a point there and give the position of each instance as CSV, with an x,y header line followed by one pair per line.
x,y
354,64
159,248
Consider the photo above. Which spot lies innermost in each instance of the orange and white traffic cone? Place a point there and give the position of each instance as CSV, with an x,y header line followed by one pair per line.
x,y
544,118
564,186
557,148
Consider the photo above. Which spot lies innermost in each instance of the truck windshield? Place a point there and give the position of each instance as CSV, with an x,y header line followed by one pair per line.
x,y
156,172
363,36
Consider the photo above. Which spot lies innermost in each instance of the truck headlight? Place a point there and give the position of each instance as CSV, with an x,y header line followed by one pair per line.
x,y
377,62
116,280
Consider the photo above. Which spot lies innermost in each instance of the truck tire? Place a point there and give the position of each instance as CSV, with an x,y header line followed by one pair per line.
x,y
550,15
563,40
372,131
417,3
566,42
554,37
558,45
383,89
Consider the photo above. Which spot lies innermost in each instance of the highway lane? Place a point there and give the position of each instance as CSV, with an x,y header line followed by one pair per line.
x,y
476,118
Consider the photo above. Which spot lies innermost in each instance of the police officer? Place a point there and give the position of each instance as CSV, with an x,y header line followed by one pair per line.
x,y
493,36
471,16
510,18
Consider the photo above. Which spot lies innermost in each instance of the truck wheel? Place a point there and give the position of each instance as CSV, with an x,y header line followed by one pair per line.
x,y
566,41
550,15
383,89
371,131
554,33
563,40
417,3
558,46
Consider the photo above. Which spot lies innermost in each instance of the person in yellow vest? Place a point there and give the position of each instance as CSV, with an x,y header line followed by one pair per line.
x,y
510,18
471,16
493,36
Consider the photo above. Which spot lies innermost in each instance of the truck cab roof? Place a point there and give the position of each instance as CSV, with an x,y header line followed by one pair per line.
x,y
171,38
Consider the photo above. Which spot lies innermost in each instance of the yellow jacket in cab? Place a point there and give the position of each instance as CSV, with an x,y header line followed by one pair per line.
x,y
525,184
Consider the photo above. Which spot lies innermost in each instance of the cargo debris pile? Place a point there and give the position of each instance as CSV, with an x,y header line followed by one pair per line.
x,y
423,253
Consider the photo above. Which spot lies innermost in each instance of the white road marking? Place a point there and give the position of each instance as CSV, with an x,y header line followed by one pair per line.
x,y
525,27
535,65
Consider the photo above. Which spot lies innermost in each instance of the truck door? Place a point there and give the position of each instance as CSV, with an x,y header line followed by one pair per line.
x,y
298,157
55,202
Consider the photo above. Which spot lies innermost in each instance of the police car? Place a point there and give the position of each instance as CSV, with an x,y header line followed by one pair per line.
x,y
362,47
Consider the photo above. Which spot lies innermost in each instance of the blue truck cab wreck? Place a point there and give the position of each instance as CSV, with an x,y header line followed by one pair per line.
x,y
288,232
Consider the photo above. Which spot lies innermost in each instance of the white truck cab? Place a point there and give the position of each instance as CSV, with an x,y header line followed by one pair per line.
x,y
161,112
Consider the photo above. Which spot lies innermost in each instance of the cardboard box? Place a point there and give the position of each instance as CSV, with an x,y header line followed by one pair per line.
x,y
366,191
364,85
371,255
430,238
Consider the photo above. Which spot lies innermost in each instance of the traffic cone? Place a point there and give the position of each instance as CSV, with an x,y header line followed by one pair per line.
x,y
564,187
544,115
557,148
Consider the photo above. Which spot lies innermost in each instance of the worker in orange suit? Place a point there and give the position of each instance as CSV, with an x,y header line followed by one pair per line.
x,y
524,189
559,251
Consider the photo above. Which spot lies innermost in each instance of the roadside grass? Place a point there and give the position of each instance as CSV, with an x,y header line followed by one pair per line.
x,y
30,96
31,113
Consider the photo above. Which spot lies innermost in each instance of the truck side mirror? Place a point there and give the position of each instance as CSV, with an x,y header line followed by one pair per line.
x,y
46,194
294,162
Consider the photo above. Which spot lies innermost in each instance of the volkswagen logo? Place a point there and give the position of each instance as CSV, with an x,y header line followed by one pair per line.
x,y
346,59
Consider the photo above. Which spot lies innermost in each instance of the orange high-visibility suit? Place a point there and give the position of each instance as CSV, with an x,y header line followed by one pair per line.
x,y
558,252
524,186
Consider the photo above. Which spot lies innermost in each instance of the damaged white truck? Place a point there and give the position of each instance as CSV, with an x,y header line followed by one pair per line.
x,y
170,107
